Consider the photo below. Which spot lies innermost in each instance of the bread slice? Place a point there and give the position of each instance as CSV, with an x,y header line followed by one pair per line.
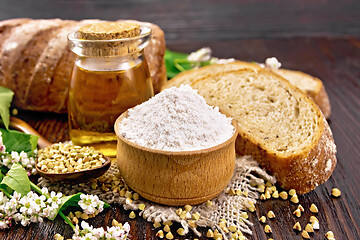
x,y
278,125
310,85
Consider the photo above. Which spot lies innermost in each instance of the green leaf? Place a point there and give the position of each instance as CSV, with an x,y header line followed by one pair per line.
x,y
70,201
175,63
18,141
17,180
6,96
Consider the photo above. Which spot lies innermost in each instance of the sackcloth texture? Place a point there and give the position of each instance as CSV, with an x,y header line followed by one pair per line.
x,y
247,175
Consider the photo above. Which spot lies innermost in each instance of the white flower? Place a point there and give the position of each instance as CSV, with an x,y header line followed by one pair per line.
x,y
201,55
15,156
10,207
272,63
99,232
91,204
55,199
16,196
3,198
44,191
126,227
3,224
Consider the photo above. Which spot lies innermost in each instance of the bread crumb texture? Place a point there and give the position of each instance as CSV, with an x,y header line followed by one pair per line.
x,y
267,109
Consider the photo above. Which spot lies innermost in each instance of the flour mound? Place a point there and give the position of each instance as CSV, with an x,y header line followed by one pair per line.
x,y
177,119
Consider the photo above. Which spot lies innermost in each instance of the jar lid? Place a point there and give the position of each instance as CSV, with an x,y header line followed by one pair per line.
x,y
109,30
109,39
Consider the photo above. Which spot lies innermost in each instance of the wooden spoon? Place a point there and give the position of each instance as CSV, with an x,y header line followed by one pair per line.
x,y
80,176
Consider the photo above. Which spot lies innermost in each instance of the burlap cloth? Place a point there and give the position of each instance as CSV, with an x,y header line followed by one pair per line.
x,y
247,175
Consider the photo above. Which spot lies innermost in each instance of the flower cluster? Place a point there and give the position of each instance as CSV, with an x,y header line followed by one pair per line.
x,y
27,209
8,159
204,55
91,204
116,232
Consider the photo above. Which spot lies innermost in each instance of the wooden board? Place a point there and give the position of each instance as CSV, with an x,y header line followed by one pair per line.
x,y
334,60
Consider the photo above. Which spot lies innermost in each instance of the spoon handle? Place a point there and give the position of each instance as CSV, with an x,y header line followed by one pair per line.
x,y
22,126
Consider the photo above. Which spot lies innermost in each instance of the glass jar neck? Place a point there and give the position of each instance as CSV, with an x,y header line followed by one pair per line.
x,y
110,63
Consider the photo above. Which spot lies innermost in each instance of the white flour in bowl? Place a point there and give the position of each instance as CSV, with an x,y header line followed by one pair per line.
x,y
177,119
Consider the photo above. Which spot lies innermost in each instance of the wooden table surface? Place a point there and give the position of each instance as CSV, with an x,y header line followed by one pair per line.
x,y
334,60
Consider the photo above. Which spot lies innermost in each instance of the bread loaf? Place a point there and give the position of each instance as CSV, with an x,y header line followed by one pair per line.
x,y
36,63
310,85
278,125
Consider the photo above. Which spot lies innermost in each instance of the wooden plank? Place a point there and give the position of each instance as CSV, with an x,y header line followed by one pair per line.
x,y
337,62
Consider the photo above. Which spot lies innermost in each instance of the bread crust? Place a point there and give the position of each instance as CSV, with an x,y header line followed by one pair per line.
x,y
303,170
41,46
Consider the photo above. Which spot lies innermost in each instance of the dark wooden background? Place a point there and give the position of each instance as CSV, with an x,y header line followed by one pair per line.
x,y
207,20
318,37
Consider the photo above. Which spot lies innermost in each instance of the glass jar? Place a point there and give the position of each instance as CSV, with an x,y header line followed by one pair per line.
x,y
109,76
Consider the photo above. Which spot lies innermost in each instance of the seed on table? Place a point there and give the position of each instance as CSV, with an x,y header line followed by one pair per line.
x,y
232,228
335,192
84,216
181,231
157,224
313,219
210,233
315,225
132,215
192,223
305,234
271,214
313,208
168,222
262,197
262,219
294,199
141,207
301,208
136,196
297,226
267,195
166,228
169,235
267,229
188,208
329,235
297,213
78,214
292,192
309,228
275,194
160,234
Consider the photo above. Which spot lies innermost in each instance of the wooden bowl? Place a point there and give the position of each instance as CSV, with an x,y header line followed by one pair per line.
x,y
81,176
176,178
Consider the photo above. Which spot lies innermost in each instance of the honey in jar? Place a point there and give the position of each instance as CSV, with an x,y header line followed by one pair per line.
x,y
110,75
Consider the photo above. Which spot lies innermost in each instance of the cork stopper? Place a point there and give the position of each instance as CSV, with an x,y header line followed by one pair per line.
x,y
109,39
109,30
